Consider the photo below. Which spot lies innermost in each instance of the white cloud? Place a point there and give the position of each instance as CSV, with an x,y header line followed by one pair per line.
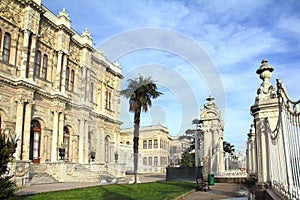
x,y
235,34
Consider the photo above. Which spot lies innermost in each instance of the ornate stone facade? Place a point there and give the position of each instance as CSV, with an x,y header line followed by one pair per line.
x,y
212,129
55,88
156,148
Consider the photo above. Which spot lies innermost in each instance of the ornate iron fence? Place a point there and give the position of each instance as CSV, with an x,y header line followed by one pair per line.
x,y
284,147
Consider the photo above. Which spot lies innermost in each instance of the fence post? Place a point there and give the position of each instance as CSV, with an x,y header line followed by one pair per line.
x,y
266,105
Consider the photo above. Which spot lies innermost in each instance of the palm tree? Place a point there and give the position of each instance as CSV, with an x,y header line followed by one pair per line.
x,y
229,148
140,91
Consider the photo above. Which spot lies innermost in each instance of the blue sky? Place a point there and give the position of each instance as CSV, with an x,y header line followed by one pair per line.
x,y
210,42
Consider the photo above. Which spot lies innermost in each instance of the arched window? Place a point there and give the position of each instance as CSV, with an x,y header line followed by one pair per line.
x,y
37,65
67,77
35,137
66,141
6,47
72,80
44,67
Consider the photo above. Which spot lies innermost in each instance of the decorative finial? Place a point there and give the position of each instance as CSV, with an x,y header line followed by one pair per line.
x,y
265,70
86,33
64,13
210,99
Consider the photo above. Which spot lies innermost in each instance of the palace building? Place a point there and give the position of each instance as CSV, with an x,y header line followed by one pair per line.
x,y
56,90
157,149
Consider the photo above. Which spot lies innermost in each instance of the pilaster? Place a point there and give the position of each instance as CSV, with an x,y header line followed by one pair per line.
x,y
58,71
25,51
86,145
63,73
19,128
61,128
54,147
27,129
81,140
31,64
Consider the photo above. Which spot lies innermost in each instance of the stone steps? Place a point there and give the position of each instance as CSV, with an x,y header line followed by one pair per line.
x,y
43,173
38,175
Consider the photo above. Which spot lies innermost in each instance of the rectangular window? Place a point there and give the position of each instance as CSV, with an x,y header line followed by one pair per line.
x,y
150,161
67,78
145,161
144,144
149,144
108,100
92,92
6,47
155,144
72,80
37,65
155,160
44,67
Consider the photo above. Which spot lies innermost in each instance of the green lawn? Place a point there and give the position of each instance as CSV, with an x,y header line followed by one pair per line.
x,y
153,191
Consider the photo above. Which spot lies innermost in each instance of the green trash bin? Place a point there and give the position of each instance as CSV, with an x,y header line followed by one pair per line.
x,y
211,179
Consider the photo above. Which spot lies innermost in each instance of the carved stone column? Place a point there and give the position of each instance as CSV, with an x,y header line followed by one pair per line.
x,y
54,147
27,129
61,123
19,127
81,140
86,141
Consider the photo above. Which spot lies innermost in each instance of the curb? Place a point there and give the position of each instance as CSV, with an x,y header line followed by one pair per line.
x,y
185,194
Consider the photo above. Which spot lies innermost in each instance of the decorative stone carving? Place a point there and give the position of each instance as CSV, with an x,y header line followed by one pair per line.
x,y
47,34
266,89
10,11
86,33
4,99
64,14
74,53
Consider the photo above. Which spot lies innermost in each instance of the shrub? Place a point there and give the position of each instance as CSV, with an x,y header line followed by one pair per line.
x,y
8,145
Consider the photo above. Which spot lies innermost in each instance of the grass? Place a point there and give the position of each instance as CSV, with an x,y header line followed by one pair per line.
x,y
155,190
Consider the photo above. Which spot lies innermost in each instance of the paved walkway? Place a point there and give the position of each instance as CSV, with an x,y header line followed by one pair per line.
x,y
218,191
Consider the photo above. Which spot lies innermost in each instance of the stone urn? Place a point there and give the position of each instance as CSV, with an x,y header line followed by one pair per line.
x,y
93,155
62,153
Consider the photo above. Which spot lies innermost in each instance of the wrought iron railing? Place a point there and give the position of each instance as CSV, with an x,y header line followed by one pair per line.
x,y
284,147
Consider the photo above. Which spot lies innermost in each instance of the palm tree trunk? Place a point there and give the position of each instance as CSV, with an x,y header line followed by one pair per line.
x,y
136,143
